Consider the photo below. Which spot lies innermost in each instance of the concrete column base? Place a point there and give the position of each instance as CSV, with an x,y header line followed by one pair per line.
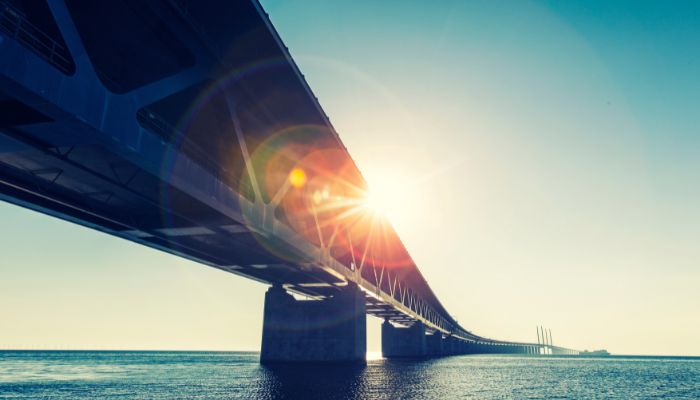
x,y
403,342
332,330
451,346
434,344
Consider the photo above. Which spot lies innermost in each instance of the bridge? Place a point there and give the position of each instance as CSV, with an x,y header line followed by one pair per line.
x,y
187,127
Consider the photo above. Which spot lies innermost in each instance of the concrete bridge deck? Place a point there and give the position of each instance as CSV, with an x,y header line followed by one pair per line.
x,y
187,127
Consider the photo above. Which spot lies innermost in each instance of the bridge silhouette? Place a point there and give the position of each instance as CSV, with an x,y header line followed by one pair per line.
x,y
187,127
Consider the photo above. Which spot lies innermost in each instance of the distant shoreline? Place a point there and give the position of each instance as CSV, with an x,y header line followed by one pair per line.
x,y
612,356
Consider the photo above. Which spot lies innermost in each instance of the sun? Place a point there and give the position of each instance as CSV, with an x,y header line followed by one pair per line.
x,y
391,196
379,201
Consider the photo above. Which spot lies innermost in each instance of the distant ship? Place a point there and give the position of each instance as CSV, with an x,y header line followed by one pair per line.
x,y
594,353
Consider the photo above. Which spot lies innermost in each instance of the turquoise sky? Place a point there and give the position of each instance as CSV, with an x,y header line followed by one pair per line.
x,y
546,156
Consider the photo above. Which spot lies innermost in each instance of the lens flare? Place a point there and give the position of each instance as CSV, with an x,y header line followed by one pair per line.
x,y
297,178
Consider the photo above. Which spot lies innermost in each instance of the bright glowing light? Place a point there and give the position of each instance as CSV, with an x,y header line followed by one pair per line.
x,y
391,197
379,201
297,177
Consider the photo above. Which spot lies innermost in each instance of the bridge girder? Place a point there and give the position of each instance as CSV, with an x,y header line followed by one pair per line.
x,y
185,144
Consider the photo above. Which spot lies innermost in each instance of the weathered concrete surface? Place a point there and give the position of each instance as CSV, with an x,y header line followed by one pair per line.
x,y
403,342
434,344
449,347
332,330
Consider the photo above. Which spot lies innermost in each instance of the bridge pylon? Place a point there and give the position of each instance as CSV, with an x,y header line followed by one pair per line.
x,y
330,330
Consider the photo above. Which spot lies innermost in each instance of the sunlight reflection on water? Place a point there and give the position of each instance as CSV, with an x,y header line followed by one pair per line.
x,y
204,375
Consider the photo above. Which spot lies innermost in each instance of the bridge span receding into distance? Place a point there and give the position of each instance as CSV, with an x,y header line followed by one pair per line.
x,y
187,127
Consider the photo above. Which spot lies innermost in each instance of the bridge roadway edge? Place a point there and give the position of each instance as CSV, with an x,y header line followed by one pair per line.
x,y
92,116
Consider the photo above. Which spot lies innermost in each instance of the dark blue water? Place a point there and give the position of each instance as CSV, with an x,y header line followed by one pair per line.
x,y
233,375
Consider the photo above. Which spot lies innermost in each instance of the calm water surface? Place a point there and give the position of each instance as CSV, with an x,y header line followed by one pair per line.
x,y
235,375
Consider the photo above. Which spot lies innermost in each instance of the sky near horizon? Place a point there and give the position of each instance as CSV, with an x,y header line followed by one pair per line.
x,y
545,158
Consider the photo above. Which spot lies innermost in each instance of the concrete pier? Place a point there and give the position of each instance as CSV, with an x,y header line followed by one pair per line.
x,y
332,330
452,346
434,344
403,342
413,342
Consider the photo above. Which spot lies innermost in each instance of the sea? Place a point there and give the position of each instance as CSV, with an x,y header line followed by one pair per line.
x,y
238,375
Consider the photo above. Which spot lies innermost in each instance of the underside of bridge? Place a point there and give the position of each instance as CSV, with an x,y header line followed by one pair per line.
x,y
187,127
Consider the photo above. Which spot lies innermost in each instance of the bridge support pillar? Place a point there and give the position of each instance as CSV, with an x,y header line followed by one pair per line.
x,y
434,344
452,346
462,347
332,330
403,342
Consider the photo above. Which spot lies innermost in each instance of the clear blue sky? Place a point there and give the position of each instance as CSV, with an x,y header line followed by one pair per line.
x,y
547,155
